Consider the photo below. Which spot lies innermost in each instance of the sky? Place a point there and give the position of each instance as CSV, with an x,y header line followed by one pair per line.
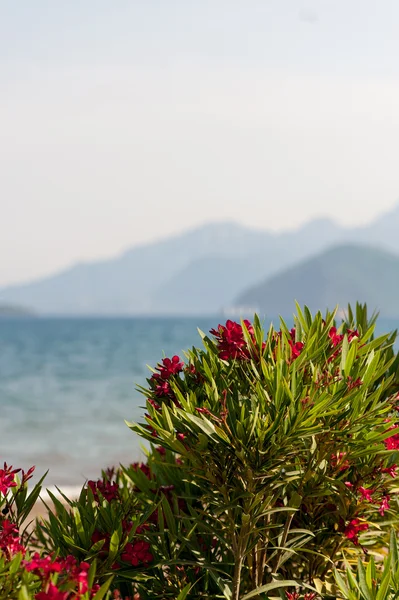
x,y
128,121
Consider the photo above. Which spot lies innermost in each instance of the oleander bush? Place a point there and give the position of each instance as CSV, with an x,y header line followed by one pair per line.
x,y
271,472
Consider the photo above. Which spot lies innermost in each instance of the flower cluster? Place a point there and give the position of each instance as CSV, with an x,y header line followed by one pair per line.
x,y
337,339
70,572
392,442
296,347
7,478
230,340
10,542
160,382
137,553
353,529
103,489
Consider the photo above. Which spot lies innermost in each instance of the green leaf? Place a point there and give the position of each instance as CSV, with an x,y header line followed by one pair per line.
x,y
183,594
114,546
341,583
393,550
364,588
269,587
103,590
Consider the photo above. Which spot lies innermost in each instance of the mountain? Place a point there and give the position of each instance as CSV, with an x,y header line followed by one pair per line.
x,y
199,271
129,283
342,274
14,311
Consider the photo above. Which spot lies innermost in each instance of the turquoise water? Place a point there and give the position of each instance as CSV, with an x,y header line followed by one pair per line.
x,y
66,386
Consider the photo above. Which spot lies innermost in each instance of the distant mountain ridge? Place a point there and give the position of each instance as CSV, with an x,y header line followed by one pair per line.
x,y
7,310
338,276
197,272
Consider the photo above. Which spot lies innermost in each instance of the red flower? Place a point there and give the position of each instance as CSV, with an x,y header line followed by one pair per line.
x,y
154,404
10,542
52,593
352,333
230,340
296,349
170,366
80,576
181,437
352,384
161,450
392,443
335,337
163,389
43,566
7,476
366,494
292,595
106,489
352,530
142,467
384,505
26,476
137,553
391,470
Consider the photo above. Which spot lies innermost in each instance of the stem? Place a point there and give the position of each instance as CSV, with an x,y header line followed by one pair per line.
x,y
283,540
237,578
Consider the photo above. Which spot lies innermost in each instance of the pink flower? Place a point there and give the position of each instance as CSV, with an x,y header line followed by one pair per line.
x,y
353,528
391,470
7,477
43,566
296,349
335,337
366,494
384,505
52,593
181,436
392,443
348,484
10,542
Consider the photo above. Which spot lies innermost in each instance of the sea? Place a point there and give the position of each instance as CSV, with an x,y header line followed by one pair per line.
x,y
67,385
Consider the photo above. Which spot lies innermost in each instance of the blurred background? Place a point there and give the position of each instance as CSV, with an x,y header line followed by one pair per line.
x,y
165,165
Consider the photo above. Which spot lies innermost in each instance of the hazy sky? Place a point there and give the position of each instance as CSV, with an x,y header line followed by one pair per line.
x,y
125,120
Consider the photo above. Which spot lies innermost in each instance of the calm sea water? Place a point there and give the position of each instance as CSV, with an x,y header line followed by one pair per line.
x,y
67,385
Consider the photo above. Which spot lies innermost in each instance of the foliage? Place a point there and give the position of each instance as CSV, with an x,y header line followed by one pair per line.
x,y
370,581
287,440
25,575
271,470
